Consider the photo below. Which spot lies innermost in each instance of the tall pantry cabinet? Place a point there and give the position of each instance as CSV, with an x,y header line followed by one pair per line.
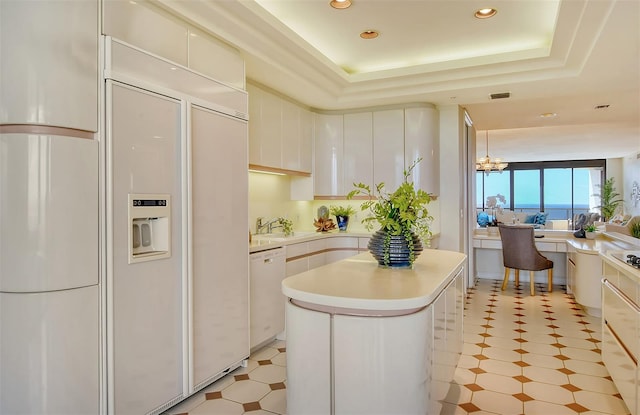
x,y
49,208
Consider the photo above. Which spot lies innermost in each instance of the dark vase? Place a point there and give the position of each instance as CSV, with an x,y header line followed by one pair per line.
x,y
393,251
343,222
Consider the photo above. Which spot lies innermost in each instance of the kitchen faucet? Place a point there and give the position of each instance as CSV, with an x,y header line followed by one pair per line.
x,y
269,225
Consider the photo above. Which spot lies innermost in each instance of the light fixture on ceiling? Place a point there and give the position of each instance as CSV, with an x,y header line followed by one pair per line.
x,y
340,4
485,13
369,34
488,165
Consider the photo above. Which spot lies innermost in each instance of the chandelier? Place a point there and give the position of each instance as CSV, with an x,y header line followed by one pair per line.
x,y
487,164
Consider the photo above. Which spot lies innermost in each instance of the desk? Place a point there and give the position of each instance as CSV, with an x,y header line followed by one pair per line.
x,y
576,261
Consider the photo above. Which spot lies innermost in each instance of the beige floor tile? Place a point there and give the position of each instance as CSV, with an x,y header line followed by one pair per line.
x,y
498,383
548,393
499,353
601,402
264,354
545,408
586,368
452,409
458,393
471,349
582,354
497,403
280,359
502,342
218,406
269,374
539,360
500,367
246,391
542,349
593,383
545,375
467,362
462,376
276,401
251,364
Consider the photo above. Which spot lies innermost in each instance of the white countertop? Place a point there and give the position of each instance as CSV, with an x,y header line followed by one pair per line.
x,y
620,266
604,240
358,283
264,242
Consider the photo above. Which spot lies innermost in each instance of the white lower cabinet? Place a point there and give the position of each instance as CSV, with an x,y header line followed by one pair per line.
x,y
308,351
304,256
267,300
621,333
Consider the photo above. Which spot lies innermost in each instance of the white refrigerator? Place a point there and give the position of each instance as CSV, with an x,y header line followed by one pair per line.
x,y
49,273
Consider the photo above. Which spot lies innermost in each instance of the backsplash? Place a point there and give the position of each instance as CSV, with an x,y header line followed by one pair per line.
x,y
269,197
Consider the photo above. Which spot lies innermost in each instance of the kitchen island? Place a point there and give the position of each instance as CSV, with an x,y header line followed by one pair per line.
x,y
362,339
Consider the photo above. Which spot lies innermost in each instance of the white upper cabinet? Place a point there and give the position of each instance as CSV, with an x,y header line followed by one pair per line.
x,y
421,132
388,147
49,64
280,132
148,27
271,131
329,152
358,149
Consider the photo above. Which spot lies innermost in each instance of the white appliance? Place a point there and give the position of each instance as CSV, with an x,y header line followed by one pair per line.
x,y
267,270
177,268
49,274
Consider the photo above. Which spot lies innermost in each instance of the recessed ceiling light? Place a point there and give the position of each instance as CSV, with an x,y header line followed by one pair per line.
x,y
369,34
485,13
340,4
548,115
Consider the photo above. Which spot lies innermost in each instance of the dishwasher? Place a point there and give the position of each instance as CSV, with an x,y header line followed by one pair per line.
x,y
267,269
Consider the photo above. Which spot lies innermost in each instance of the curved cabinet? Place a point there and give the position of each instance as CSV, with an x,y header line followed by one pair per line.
x,y
49,67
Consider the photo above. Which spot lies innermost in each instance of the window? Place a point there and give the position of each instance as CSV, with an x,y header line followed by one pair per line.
x,y
560,188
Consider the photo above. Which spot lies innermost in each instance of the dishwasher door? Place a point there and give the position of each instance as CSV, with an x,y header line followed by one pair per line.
x,y
267,270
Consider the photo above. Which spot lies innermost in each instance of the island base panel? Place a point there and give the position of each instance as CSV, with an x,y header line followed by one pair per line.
x,y
308,361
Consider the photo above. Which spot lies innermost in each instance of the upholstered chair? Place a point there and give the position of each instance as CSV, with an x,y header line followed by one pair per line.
x,y
519,252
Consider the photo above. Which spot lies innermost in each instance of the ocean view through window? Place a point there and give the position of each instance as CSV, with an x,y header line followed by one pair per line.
x,y
560,189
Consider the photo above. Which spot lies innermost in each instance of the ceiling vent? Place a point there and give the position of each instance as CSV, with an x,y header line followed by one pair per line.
x,y
501,95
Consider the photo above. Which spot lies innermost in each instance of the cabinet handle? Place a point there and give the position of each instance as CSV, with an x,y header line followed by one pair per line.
x,y
268,260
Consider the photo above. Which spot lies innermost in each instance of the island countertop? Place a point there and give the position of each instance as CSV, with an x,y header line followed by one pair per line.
x,y
358,283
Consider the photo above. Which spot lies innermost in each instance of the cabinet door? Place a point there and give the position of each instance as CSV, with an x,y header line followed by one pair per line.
x,y
358,149
255,123
49,67
143,25
219,243
328,172
388,148
271,134
306,140
421,132
291,149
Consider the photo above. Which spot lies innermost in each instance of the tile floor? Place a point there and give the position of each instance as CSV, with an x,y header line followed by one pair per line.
x,y
522,355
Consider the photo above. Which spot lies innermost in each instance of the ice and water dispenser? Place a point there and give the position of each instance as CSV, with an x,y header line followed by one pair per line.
x,y
149,227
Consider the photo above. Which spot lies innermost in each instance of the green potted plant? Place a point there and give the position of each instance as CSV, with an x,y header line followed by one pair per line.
x,y
403,218
342,214
590,231
609,199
